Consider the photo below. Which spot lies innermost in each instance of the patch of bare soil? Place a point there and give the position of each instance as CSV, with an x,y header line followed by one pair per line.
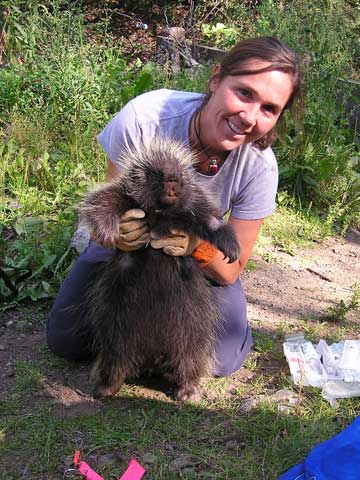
x,y
134,24
289,288
286,291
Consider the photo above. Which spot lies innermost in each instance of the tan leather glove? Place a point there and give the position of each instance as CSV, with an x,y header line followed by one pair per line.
x,y
178,244
134,230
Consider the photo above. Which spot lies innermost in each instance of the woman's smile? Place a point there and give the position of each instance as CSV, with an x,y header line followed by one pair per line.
x,y
234,128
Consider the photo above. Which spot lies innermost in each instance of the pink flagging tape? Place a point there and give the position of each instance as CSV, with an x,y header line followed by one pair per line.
x,y
134,471
89,473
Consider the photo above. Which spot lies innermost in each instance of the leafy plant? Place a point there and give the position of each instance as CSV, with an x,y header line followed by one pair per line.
x,y
324,172
36,261
262,342
220,35
338,312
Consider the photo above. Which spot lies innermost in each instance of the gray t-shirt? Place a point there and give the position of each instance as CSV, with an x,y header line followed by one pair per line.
x,y
245,184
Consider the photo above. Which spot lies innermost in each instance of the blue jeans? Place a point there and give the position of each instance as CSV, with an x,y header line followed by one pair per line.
x,y
233,345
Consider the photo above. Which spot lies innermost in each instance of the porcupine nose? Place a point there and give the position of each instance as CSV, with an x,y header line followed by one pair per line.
x,y
171,189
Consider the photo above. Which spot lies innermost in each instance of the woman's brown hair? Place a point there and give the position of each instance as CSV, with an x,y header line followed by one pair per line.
x,y
280,57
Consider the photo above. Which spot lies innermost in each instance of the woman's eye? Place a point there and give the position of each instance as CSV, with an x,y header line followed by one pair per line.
x,y
244,93
269,108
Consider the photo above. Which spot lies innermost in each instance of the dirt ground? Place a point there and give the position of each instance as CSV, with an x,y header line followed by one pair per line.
x,y
291,293
302,287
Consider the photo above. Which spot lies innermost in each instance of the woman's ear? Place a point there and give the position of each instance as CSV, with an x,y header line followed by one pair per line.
x,y
214,79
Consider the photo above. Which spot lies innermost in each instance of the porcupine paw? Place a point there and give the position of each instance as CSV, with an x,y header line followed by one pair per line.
x,y
226,242
102,391
188,393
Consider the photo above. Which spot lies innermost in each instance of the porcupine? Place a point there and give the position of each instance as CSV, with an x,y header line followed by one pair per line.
x,y
145,304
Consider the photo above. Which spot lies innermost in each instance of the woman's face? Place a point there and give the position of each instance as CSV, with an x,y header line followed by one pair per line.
x,y
243,108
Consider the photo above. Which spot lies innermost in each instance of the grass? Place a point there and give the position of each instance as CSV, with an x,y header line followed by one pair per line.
x,y
338,312
215,438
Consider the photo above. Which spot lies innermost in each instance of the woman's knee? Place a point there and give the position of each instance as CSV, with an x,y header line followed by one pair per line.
x,y
235,340
63,337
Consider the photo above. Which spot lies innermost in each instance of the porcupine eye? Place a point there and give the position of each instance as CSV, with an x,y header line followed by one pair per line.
x,y
153,185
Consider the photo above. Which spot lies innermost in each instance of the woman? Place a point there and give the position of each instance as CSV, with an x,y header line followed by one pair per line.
x,y
230,130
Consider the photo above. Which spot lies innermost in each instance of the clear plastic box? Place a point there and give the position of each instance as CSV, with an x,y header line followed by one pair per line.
x,y
334,368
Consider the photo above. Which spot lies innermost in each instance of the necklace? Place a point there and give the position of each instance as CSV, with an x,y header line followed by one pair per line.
x,y
213,166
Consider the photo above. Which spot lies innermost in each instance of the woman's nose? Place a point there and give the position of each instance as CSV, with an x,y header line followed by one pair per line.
x,y
249,115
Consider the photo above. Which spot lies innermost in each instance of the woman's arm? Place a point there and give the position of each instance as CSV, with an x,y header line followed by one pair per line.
x,y
246,232
180,243
111,171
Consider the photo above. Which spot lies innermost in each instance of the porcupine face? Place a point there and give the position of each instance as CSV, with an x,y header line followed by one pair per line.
x,y
161,177
169,186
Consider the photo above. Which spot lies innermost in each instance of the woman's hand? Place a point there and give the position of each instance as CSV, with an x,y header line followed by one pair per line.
x,y
180,243
177,244
133,231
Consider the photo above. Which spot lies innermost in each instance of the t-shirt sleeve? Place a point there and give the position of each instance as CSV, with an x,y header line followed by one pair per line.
x,y
121,133
256,197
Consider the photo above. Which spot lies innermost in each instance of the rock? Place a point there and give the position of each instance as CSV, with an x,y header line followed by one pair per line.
x,y
251,403
212,396
169,447
284,395
106,459
2,347
206,422
181,462
285,409
189,471
81,238
149,458
281,396
12,203
231,445
10,372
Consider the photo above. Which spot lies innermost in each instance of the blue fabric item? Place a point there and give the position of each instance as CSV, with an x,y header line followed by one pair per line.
x,y
335,459
233,345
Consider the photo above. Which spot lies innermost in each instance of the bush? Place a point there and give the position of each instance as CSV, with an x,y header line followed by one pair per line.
x,y
58,89
319,160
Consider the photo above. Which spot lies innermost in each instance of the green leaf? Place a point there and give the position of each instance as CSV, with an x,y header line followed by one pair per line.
x,y
143,82
28,224
46,286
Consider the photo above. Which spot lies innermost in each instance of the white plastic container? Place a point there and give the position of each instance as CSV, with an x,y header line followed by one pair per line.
x,y
335,368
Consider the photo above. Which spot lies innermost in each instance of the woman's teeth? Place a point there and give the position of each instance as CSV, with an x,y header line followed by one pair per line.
x,y
234,128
